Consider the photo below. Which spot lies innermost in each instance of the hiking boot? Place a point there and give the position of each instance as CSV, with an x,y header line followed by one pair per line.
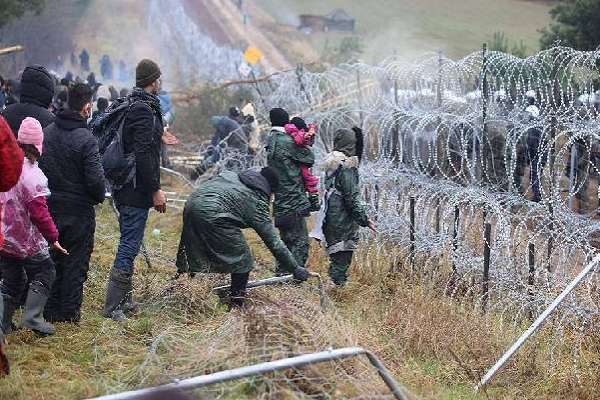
x,y
119,286
32,317
10,305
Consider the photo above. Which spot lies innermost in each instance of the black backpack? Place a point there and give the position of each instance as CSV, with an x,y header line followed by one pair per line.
x,y
119,167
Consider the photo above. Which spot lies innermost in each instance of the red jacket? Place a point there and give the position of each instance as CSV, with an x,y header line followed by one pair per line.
x,y
11,162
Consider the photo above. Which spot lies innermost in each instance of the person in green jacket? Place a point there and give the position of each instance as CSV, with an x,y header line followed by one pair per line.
x,y
213,217
291,205
344,212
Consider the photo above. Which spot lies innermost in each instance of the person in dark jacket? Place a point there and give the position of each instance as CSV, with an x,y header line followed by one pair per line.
x,y
37,91
229,135
71,162
214,216
102,104
291,206
106,68
142,136
91,80
344,212
84,57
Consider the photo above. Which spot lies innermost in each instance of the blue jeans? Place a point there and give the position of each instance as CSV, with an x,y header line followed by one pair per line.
x,y
132,223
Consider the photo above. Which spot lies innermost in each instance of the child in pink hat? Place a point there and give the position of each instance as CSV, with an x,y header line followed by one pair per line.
x,y
28,228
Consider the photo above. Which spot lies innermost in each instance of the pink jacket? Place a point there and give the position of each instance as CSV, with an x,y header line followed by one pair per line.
x,y
311,182
27,226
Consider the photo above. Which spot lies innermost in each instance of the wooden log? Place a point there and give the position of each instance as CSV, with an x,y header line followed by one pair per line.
x,y
12,49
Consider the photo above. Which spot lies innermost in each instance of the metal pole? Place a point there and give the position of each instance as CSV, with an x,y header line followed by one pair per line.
x,y
455,235
484,98
531,277
538,322
572,175
412,231
360,107
265,368
486,264
439,139
553,130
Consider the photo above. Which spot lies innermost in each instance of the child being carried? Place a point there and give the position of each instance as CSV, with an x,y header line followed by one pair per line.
x,y
304,135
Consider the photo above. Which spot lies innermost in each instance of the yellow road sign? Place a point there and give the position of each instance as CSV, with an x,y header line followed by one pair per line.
x,y
252,55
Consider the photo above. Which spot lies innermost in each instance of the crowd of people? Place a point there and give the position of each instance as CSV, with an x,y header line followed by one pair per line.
x,y
59,161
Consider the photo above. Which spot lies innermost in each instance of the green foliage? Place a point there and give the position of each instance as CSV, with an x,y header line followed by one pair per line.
x,y
575,22
501,43
349,50
10,9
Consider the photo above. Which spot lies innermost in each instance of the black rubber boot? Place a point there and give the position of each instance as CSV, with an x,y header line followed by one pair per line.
x,y
32,317
237,299
119,286
10,305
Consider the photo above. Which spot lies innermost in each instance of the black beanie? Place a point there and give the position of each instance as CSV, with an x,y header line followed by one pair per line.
x,y
234,112
146,73
102,103
279,117
299,123
269,174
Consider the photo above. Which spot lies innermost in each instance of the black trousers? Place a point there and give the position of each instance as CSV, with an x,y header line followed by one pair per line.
x,y
76,234
15,273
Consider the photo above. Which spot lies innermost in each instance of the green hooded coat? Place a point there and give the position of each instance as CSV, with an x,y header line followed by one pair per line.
x,y
285,157
215,213
345,212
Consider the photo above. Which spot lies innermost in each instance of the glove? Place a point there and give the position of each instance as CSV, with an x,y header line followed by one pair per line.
x,y
301,274
313,198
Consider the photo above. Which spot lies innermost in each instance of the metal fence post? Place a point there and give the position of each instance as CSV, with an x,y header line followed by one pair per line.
x,y
531,275
455,236
486,264
412,231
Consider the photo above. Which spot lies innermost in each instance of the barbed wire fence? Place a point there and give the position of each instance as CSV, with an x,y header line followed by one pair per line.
x,y
482,173
456,156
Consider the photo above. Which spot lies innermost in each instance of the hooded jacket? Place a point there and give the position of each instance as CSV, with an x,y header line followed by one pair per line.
x,y
345,212
37,90
215,213
71,162
285,158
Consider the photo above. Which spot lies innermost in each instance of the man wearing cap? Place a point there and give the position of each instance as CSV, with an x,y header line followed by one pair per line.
x,y
142,135
291,205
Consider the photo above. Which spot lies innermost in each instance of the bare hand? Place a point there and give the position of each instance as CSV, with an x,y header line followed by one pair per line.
x,y
372,226
160,201
168,138
56,246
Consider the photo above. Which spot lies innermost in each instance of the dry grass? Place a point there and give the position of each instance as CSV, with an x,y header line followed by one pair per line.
x,y
434,345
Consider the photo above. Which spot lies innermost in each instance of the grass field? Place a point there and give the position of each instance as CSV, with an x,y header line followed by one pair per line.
x,y
436,346
413,27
